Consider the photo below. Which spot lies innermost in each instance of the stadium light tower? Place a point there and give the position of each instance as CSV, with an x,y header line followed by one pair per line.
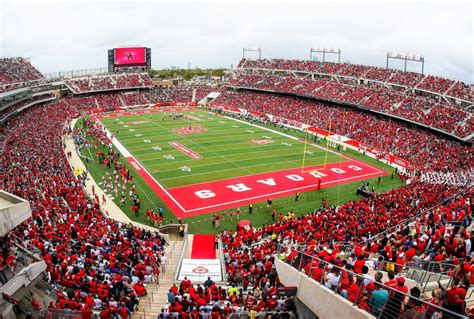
x,y
255,49
407,57
325,51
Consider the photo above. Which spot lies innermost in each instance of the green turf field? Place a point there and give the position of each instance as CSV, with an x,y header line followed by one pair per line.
x,y
161,130
225,147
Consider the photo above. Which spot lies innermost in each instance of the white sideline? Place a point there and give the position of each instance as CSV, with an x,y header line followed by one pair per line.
x,y
116,142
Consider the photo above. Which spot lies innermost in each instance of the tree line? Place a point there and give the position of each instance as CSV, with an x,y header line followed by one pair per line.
x,y
185,73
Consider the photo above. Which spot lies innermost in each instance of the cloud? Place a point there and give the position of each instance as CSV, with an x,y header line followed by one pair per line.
x,y
60,36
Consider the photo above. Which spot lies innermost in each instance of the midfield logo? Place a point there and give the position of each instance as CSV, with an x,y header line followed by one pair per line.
x,y
260,142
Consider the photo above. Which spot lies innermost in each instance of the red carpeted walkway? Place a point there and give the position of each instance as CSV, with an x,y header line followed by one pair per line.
x,y
203,247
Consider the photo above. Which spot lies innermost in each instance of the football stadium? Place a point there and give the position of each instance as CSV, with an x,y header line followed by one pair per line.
x,y
278,187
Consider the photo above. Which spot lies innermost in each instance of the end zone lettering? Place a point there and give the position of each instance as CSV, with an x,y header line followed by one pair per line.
x,y
291,180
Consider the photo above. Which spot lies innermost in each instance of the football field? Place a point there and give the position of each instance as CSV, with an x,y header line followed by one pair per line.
x,y
198,162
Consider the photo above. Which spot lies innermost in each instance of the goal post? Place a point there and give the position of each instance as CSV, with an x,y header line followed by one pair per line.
x,y
308,164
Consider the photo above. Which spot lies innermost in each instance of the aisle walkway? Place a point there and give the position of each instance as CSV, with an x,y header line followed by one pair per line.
x,y
203,247
157,297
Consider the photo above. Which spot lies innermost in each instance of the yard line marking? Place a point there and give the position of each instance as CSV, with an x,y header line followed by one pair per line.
x,y
138,167
298,139
225,147
209,137
189,139
236,156
180,147
223,170
256,158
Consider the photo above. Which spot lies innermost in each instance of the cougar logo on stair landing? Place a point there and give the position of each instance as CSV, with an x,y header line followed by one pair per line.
x,y
200,270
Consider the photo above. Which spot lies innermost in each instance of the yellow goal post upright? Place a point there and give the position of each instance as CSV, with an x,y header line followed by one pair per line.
x,y
303,164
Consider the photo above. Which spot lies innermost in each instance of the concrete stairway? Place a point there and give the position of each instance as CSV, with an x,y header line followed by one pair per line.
x,y
151,304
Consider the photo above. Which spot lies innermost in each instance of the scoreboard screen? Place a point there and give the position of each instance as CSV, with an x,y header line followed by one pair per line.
x,y
127,56
129,59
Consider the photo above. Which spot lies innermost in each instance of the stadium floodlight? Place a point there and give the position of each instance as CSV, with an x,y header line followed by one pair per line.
x,y
252,49
407,57
325,51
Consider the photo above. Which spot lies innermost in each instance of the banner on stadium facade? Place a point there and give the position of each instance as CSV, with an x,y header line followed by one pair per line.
x,y
197,270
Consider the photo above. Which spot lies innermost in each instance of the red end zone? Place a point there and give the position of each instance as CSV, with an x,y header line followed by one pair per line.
x,y
196,199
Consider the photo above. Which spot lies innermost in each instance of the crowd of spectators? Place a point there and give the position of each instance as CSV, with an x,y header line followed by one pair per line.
x,y
410,79
178,94
17,70
374,226
356,222
131,98
437,234
436,84
9,87
203,90
109,82
114,100
424,150
460,90
422,109
4,112
97,262
210,301
103,264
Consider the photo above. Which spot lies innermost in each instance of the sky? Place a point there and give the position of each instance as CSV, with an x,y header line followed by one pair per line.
x,y
70,35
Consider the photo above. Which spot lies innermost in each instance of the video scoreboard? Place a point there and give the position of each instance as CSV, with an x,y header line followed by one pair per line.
x,y
129,59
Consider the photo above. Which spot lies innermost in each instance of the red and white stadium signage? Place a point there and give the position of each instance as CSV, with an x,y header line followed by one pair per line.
x,y
197,270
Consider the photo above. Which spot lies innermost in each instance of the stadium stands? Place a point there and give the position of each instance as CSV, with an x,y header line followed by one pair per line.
x,y
234,300
17,106
412,80
425,150
249,253
109,82
178,94
83,258
415,231
17,71
427,110
101,263
202,91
